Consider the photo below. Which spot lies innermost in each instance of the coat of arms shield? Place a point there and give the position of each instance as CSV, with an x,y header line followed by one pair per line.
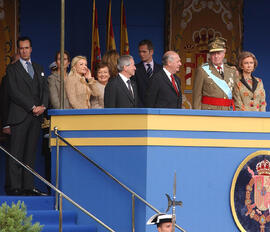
x,y
250,193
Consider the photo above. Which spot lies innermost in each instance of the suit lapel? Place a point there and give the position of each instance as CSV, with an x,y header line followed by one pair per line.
x,y
25,76
142,72
254,84
166,79
38,76
155,68
142,68
134,86
124,88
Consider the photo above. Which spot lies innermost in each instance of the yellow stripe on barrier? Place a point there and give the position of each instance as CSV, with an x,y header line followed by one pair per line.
x,y
178,142
160,122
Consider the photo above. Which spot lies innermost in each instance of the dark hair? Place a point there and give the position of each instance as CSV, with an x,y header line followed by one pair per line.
x,y
99,66
111,57
148,43
65,52
23,38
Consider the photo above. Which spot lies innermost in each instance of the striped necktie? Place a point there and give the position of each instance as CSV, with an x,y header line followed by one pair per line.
x,y
149,70
30,69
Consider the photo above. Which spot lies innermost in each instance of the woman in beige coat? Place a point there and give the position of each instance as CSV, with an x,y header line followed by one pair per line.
x,y
251,88
80,85
54,82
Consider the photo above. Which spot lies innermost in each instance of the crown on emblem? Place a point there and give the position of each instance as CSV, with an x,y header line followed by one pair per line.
x,y
263,167
189,47
202,37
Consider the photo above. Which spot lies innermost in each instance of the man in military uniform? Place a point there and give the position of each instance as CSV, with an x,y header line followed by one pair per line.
x,y
215,82
163,222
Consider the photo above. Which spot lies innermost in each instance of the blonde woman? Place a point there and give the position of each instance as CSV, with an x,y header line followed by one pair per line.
x,y
251,88
80,85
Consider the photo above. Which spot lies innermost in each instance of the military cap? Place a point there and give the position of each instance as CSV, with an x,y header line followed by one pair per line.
x,y
159,218
53,66
217,44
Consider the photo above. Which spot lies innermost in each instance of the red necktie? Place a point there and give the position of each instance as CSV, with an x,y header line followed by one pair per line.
x,y
220,71
174,85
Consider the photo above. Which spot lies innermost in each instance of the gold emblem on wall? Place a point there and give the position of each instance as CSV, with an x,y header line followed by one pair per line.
x,y
9,32
250,193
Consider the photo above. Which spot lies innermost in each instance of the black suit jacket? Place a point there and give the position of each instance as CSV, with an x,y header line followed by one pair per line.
x,y
143,82
161,93
20,90
117,95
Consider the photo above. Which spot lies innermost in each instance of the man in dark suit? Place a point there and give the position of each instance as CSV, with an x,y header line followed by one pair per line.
x,y
28,93
121,92
4,109
146,68
4,104
165,88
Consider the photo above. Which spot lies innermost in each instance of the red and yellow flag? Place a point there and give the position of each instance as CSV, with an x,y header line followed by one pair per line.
x,y
110,41
124,46
95,48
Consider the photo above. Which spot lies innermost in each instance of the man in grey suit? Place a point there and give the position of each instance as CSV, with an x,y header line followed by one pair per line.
x,y
121,91
28,93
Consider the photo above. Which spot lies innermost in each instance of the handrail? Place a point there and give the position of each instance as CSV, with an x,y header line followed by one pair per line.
x,y
57,190
110,175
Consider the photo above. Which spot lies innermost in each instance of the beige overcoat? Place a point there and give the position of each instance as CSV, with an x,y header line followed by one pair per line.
x,y
54,88
79,91
252,94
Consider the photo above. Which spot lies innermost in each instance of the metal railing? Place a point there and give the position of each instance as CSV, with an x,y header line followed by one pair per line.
x,y
60,193
108,174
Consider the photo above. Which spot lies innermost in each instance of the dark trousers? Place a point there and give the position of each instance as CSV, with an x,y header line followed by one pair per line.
x,y
23,145
46,151
6,145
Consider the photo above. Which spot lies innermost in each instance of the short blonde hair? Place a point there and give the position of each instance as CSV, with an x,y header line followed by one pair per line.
x,y
76,59
74,62
245,54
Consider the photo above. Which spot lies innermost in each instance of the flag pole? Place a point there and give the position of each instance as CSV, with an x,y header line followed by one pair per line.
x,y
93,32
121,30
62,48
95,45
108,26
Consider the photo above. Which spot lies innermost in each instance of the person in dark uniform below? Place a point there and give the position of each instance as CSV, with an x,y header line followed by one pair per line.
x,y
215,82
163,222
121,92
165,87
146,68
28,92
